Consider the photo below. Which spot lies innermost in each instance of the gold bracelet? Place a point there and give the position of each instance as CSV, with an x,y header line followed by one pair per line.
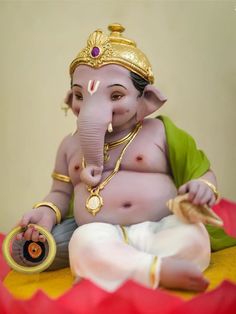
x,y
60,177
53,207
212,187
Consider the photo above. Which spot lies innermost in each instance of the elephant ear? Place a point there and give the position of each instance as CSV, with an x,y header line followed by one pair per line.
x,y
151,100
68,98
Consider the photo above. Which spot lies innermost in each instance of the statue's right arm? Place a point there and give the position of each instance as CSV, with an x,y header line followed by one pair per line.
x,y
59,195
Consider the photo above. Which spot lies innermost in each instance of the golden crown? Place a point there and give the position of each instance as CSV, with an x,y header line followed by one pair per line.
x,y
114,49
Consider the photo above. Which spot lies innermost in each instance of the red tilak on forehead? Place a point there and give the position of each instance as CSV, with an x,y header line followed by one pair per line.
x,y
93,86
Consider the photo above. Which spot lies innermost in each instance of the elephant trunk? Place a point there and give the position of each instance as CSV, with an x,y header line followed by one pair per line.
x,y
92,136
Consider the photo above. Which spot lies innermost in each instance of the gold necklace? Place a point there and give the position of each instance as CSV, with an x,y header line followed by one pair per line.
x,y
94,202
111,145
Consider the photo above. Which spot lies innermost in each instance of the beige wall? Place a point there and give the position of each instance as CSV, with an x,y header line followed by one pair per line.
x,y
190,44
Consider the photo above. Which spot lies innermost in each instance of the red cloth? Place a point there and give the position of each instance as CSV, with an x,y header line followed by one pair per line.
x,y
222,300
226,210
4,268
86,298
130,298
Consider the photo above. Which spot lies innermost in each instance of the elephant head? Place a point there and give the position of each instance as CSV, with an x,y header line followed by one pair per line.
x,y
102,96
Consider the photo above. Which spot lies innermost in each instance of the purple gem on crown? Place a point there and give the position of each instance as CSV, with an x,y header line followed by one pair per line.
x,y
95,52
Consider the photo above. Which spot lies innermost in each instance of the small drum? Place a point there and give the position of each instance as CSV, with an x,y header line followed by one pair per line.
x,y
29,256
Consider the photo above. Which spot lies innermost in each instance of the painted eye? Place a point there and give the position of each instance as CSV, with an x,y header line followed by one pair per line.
x,y
79,96
116,96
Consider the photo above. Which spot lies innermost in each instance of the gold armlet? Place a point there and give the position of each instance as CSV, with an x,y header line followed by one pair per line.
x,y
61,177
53,207
212,187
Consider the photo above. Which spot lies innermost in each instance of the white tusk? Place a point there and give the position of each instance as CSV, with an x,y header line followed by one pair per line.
x,y
110,129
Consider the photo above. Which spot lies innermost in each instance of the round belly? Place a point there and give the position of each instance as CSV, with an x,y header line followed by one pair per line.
x,y
129,198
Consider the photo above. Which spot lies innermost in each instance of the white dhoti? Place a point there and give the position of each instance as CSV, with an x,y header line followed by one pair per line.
x,y
109,254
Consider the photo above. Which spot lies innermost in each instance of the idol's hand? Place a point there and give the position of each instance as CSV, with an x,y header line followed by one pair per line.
x,y
188,212
199,193
42,216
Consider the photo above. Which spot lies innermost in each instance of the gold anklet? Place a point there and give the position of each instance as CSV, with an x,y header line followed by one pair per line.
x,y
53,207
152,273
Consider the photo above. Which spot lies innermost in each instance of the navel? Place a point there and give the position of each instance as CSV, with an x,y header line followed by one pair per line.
x,y
76,167
127,205
139,158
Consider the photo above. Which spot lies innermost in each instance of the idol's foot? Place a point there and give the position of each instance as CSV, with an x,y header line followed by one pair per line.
x,y
181,274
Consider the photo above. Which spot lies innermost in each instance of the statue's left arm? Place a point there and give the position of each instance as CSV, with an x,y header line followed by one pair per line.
x,y
190,167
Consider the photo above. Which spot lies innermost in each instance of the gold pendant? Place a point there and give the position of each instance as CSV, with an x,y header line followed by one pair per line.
x,y
94,203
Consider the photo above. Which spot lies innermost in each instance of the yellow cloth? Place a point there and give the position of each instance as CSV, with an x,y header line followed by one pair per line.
x,y
55,283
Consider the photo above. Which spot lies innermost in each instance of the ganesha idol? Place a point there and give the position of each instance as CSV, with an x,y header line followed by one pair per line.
x,y
123,175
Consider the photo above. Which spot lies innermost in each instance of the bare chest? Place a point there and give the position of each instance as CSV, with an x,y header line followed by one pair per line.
x,y
142,155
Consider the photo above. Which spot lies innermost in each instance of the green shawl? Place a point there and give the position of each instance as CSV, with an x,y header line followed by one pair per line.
x,y
187,163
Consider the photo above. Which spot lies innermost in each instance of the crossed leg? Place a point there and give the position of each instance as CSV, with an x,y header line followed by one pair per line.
x,y
168,253
98,252
184,250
